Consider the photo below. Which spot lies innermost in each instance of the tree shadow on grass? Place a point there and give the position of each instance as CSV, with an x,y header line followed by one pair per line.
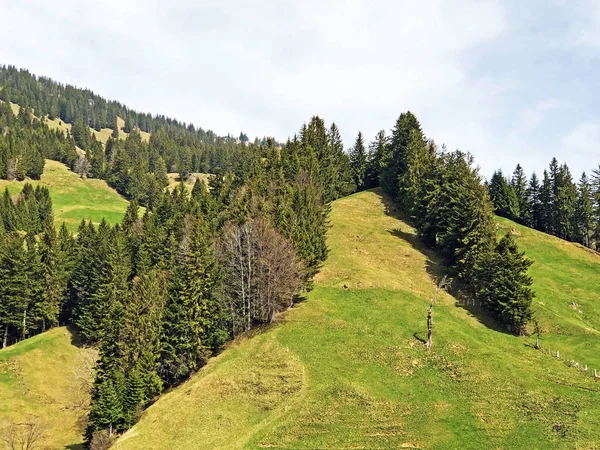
x,y
434,265
76,338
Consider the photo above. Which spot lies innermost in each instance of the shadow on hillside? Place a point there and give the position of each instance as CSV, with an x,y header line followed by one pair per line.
x,y
76,338
434,266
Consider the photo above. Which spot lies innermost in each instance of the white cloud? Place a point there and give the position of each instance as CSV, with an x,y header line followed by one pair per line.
x,y
533,116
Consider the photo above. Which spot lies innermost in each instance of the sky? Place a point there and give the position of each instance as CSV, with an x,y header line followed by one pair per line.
x,y
509,81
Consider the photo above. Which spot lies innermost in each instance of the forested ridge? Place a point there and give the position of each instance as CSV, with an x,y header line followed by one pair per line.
x,y
164,290
554,204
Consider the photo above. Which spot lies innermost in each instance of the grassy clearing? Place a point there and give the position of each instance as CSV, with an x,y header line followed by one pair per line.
x,y
347,369
74,198
174,180
40,380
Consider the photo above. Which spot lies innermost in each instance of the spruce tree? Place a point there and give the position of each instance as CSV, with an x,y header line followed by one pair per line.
x,y
533,193
584,212
358,162
503,285
503,197
191,316
546,204
519,185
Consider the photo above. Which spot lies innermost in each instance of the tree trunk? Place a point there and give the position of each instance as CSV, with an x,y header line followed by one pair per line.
x,y
5,339
24,323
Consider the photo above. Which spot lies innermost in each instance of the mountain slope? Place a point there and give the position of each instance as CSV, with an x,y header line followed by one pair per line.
x,y
74,198
41,381
347,368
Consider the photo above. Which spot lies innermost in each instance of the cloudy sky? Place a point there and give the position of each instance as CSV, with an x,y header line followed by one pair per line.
x,y
509,81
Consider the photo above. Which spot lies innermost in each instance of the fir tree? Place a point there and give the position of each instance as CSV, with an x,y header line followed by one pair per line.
x,y
533,202
584,212
358,161
191,311
503,197
503,285
519,185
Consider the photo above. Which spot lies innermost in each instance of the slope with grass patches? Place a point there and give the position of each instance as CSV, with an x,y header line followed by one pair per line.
x,y
347,368
45,380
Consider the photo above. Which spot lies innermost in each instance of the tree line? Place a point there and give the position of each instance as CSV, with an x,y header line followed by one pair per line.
x,y
444,196
69,103
555,204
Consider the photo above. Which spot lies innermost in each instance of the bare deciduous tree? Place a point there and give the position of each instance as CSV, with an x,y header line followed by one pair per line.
x,y
23,436
441,286
262,273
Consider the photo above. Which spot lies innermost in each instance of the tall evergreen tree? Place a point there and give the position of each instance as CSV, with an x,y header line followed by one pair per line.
x,y
533,192
519,185
358,161
503,197
192,314
584,212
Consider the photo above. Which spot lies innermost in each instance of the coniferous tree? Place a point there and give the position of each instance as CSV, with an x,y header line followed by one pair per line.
x,y
394,159
191,319
533,192
519,185
503,197
503,284
546,204
358,161
584,212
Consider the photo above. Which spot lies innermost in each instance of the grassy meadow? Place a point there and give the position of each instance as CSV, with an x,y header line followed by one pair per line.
x,y
347,369
42,380
74,198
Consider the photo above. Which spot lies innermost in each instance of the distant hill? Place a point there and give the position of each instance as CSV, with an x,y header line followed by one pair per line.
x,y
348,369
75,198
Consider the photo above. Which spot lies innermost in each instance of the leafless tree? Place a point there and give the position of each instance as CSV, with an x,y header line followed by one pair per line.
x,y
23,436
82,166
441,286
262,273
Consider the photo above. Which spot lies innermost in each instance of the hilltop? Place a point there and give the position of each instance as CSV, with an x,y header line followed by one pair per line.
x,y
347,368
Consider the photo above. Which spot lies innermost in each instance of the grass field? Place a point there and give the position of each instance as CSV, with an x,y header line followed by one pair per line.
x,y
74,198
40,381
347,368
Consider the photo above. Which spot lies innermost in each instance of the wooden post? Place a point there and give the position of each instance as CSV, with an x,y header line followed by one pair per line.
x,y
429,343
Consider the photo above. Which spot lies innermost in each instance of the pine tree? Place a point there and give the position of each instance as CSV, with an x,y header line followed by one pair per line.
x,y
519,185
546,204
503,197
160,173
107,406
503,285
533,202
191,311
15,287
419,159
342,178
584,212
140,337
358,161
394,163
565,203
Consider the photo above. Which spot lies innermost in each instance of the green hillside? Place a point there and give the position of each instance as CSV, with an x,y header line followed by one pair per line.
x,y
42,380
74,198
347,368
